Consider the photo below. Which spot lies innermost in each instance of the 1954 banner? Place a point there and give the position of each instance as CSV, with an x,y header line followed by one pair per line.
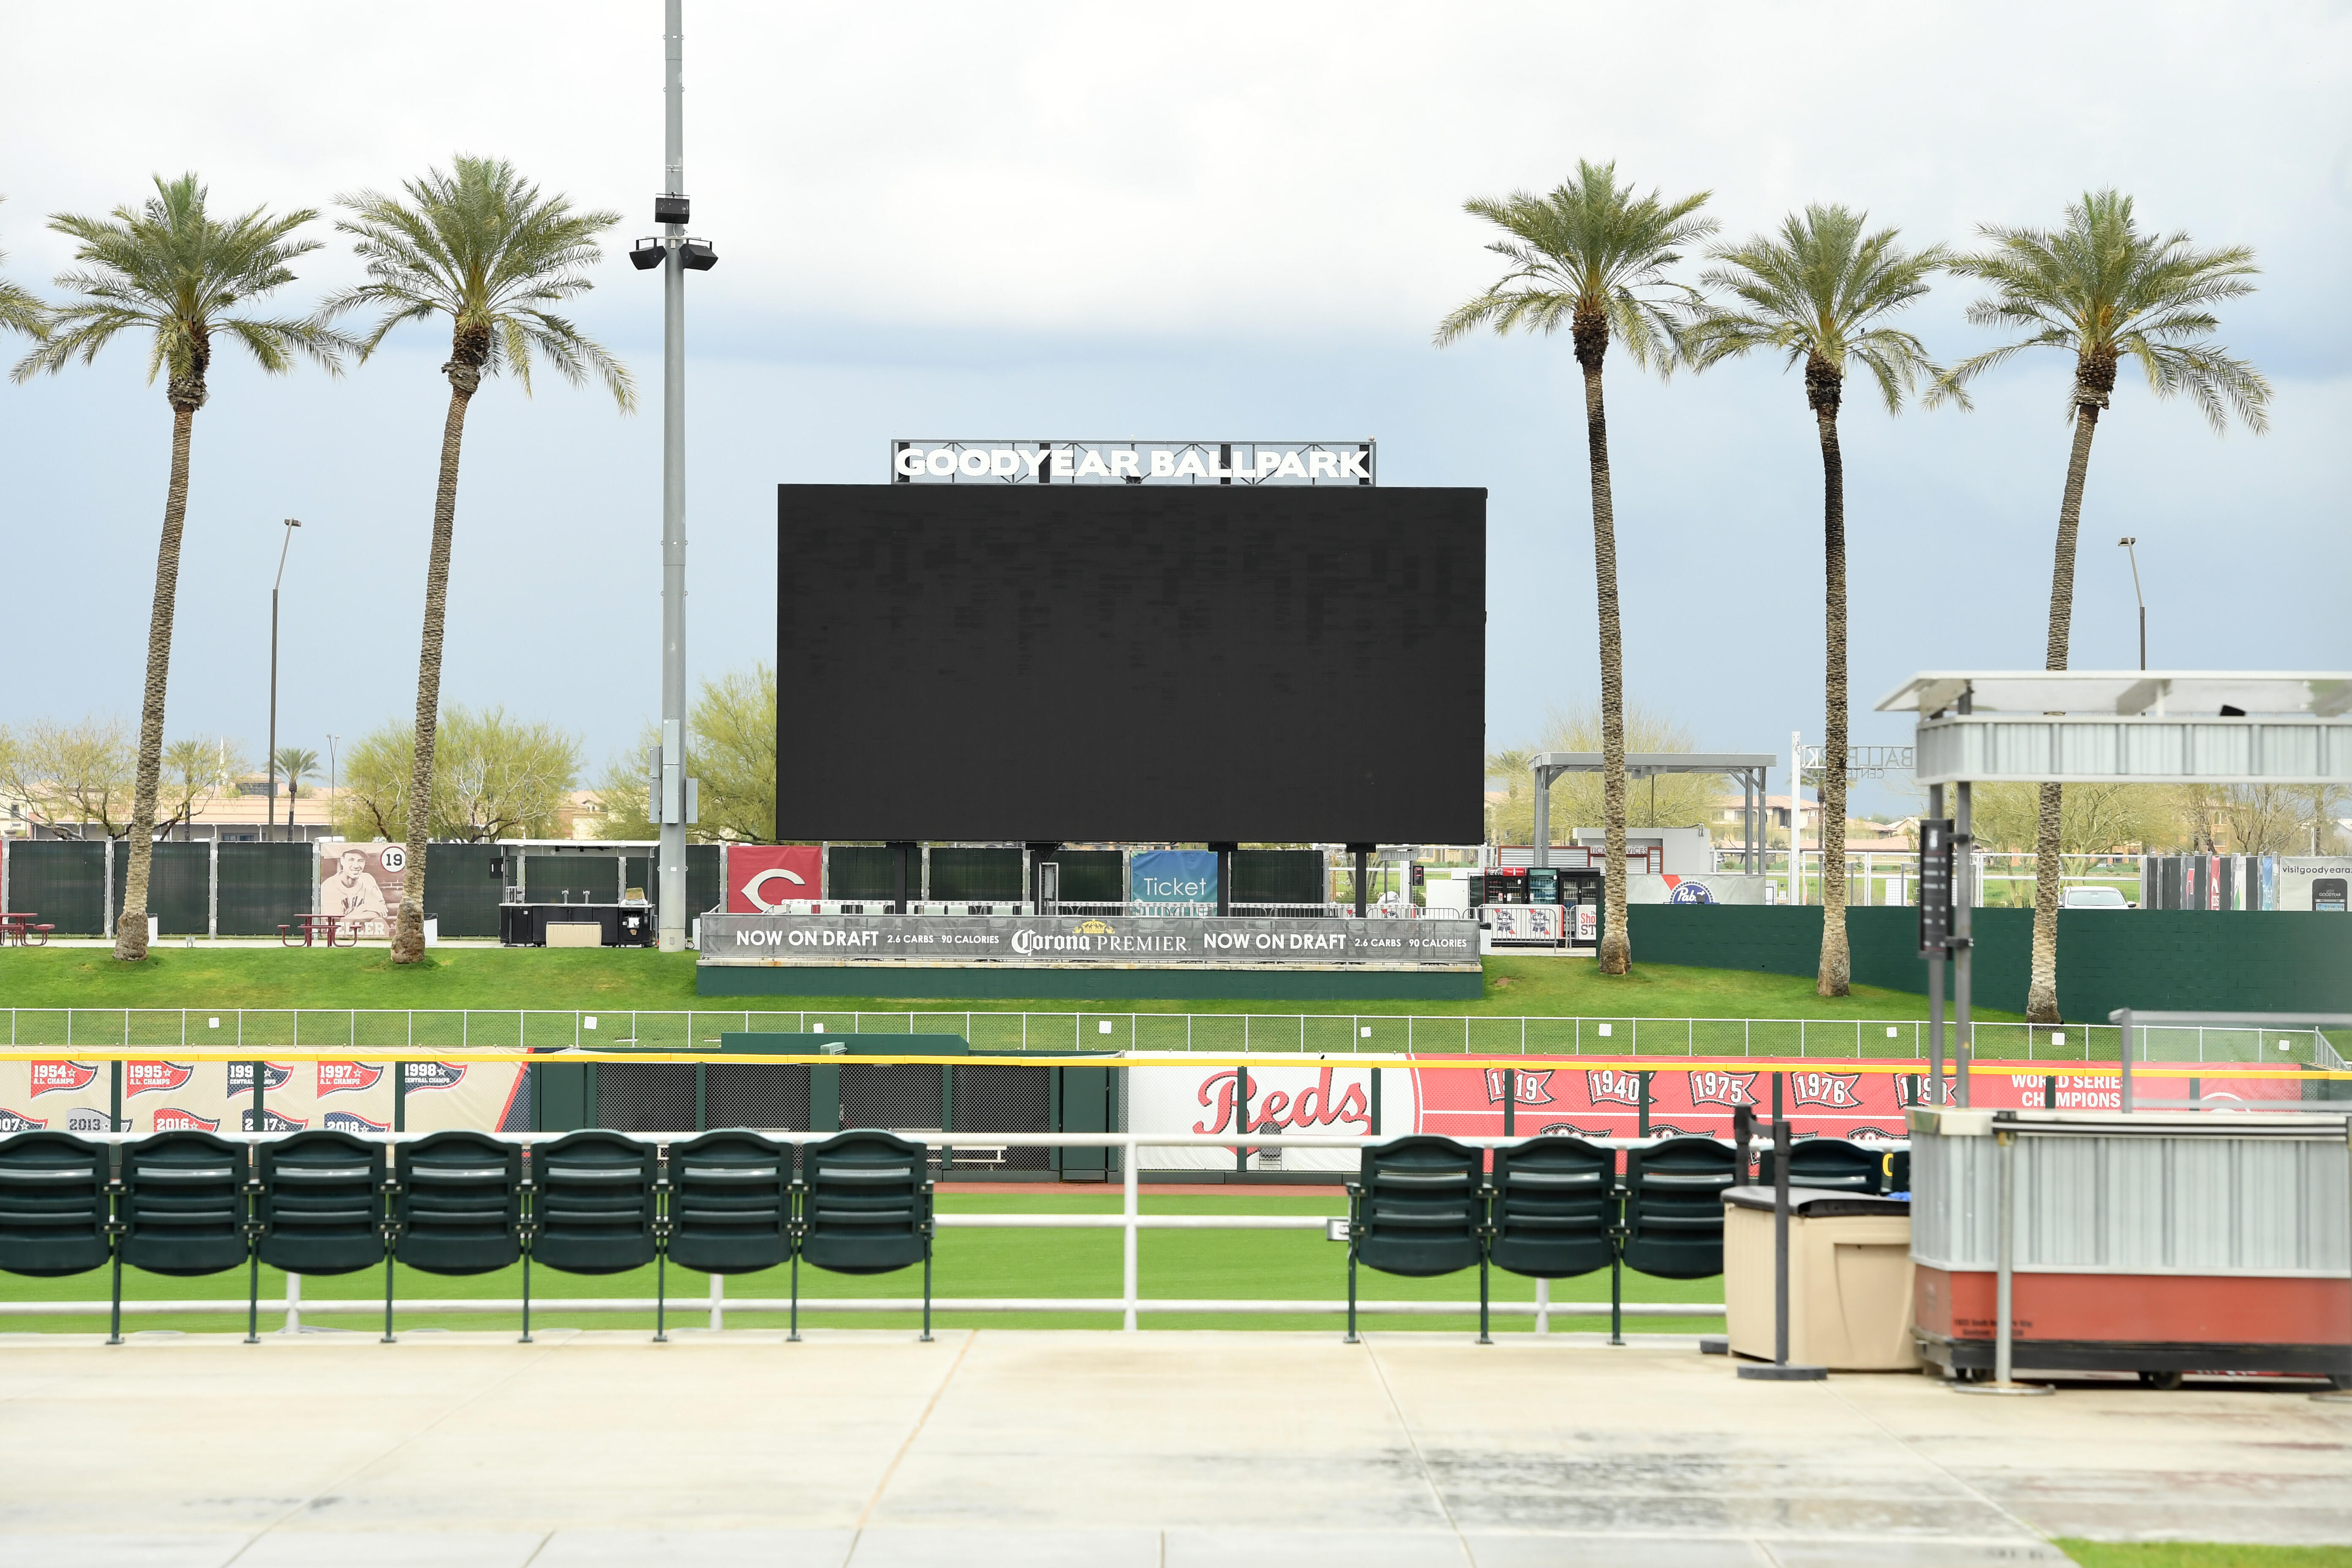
x,y
1149,941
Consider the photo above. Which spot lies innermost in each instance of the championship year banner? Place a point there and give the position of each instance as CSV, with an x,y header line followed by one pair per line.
x,y
160,1094
1144,940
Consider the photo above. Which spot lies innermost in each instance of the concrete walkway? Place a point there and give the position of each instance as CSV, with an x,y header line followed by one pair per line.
x,y
863,1448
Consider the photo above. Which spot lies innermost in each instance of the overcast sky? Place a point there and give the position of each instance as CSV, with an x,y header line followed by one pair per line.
x,y
1210,222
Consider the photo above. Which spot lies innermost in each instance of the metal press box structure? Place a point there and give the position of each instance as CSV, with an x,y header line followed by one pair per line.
x,y
2155,1243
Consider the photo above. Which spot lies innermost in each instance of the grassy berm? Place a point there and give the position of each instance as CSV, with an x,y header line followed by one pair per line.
x,y
614,979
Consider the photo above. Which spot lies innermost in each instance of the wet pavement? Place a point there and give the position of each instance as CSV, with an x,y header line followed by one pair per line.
x,y
868,1449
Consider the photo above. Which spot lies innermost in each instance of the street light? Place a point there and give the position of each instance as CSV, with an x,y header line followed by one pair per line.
x,y
2128,542
291,524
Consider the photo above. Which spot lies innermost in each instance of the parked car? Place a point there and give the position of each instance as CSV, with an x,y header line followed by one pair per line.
x,y
2095,898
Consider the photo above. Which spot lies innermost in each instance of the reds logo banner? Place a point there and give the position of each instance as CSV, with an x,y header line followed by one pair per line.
x,y
1833,1089
1613,1083
1313,1106
336,1078
763,877
48,1078
1723,1087
173,1119
1527,1088
149,1078
18,1122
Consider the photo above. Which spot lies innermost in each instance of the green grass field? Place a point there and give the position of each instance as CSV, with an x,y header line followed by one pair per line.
x,y
1235,1265
615,979
2201,1554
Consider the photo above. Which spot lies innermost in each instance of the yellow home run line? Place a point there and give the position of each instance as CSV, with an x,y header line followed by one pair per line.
x,y
1180,1060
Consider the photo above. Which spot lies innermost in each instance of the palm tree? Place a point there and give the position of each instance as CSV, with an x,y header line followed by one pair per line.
x,y
1817,292
479,245
169,270
2102,291
296,763
19,311
1593,256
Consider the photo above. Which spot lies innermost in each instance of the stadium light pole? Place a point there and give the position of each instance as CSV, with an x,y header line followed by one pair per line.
x,y
291,524
2128,541
675,255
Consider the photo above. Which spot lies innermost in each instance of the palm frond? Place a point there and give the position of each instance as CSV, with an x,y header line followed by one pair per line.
x,y
20,310
2097,286
171,269
1592,248
481,245
1818,289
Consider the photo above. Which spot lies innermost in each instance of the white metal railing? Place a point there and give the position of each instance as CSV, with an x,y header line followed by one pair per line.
x,y
361,1030
1130,1221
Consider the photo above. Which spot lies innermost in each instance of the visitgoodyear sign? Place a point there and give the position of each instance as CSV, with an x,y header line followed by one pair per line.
x,y
1144,942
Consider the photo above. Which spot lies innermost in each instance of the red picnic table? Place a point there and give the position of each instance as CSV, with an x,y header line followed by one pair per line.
x,y
21,929
307,931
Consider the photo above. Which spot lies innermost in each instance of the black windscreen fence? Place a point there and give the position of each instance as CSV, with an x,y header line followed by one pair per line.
x,y
265,886
862,871
60,881
990,874
1093,876
1239,654
1278,877
462,888
178,886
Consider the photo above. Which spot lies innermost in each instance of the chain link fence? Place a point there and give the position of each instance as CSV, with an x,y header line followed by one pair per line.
x,y
1220,1034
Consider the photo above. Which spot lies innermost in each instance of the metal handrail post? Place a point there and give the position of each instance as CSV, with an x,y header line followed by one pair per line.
x,y
1126,1245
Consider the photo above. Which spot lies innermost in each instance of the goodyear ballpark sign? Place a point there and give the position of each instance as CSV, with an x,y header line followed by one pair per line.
x,y
1135,462
1143,942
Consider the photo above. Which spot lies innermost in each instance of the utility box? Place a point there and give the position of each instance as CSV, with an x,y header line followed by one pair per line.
x,y
1849,1279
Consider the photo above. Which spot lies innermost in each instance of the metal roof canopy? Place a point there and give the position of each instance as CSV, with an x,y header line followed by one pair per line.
x,y
2097,726
1751,767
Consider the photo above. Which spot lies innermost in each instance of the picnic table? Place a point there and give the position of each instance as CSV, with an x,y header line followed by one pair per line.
x,y
320,931
22,929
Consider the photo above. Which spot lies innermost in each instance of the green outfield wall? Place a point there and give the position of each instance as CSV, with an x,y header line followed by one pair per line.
x,y
2183,959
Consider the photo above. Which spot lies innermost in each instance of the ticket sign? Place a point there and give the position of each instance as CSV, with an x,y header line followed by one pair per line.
x,y
1934,887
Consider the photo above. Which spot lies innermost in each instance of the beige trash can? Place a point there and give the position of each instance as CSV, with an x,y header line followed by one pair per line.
x,y
1849,1279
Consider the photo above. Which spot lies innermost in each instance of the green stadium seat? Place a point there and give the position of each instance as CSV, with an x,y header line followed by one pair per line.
x,y
1417,1208
318,1206
864,1208
592,1202
186,1203
1673,1207
731,1203
1832,1163
57,1208
1554,1208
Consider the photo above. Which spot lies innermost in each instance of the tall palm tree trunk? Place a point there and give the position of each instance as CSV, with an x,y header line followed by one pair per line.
x,y
2041,988
408,936
1837,959
1616,943
131,930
